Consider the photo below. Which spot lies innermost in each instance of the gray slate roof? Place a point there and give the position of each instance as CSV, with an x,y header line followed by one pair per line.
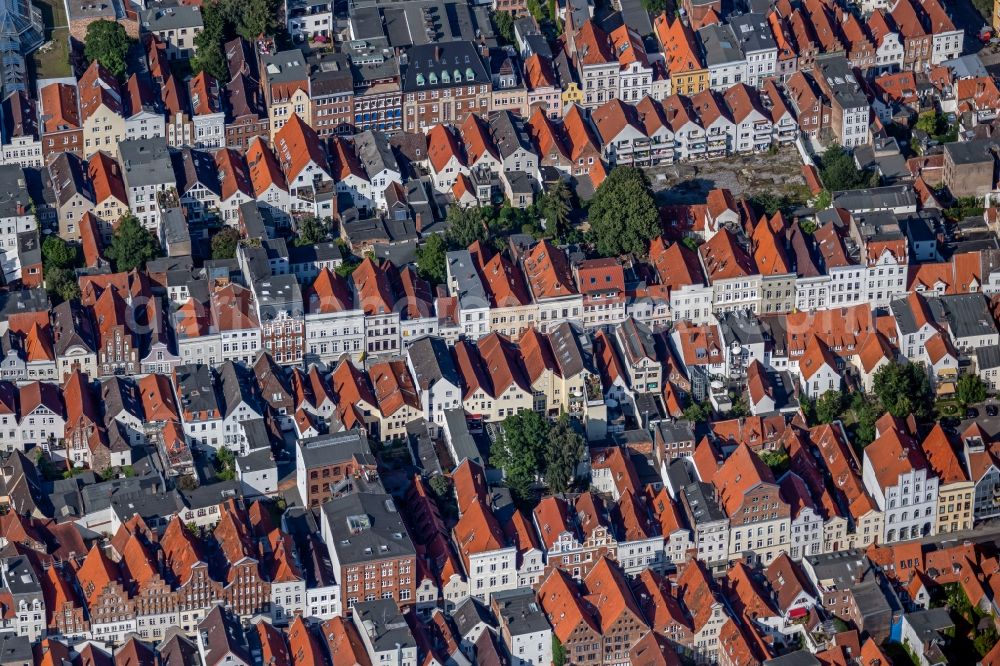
x,y
366,527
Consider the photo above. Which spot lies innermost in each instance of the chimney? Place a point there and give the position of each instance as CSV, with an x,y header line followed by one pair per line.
x,y
418,220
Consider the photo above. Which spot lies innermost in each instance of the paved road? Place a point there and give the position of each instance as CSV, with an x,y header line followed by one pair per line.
x,y
968,19
984,532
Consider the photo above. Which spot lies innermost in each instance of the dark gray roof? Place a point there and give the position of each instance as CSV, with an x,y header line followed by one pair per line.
x,y
519,610
919,227
69,178
145,161
461,269
385,625
366,527
968,315
222,634
976,151
431,361
675,431
720,44
161,16
238,385
277,294
118,395
331,74
568,351
211,494
465,446
433,66
331,449
196,389
844,567
469,613
72,326
285,67
987,357
253,220
319,252
841,80
176,648
637,340
797,658
754,32
258,460
703,504
19,577
14,198
15,650
196,167
422,448
875,198
739,326
374,152
509,134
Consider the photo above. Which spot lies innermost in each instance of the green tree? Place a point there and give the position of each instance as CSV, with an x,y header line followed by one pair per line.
x,y
777,460
558,652
823,200
985,640
554,16
468,225
107,43
441,487
690,242
866,412
623,214
61,284
255,18
554,205
563,453
132,245
697,412
504,22
928,122
210,57
808,408
903,389
57,253
225,464
224,243
970,389
432,261
536,10
838,171
829,406
654,6
312,230
346,268
440,484
519,451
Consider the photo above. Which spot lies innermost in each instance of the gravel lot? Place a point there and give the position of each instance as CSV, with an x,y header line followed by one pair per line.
x,y
742,174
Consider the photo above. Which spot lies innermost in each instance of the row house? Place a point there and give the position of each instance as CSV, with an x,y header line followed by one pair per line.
x,y
443,83
20,139
224,329
760,519
596,64
685,65
899,478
